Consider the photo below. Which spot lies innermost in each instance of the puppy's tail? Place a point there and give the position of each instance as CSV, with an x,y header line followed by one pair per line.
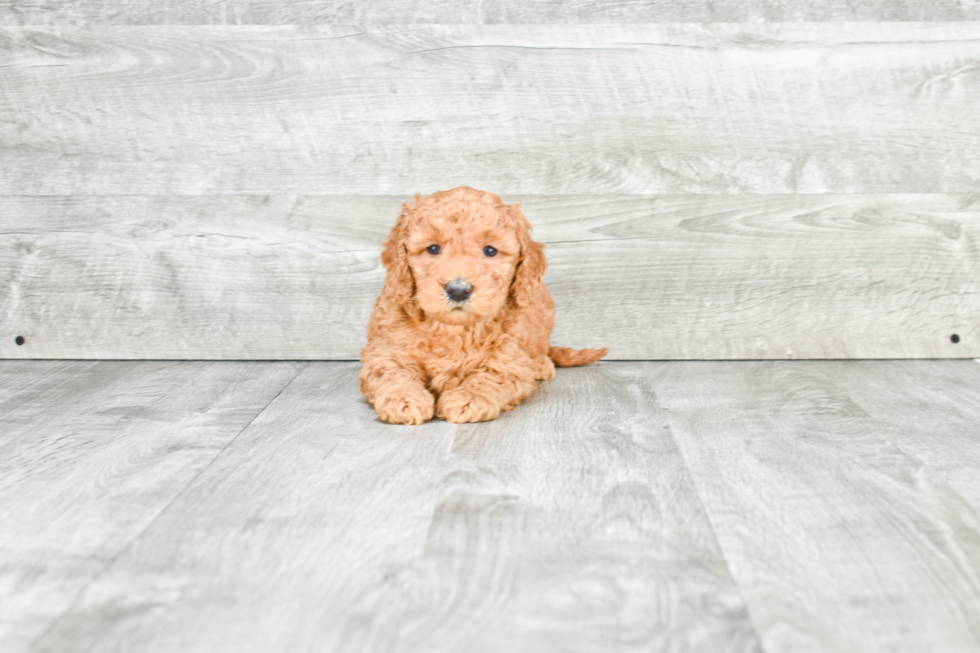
x,y
565,357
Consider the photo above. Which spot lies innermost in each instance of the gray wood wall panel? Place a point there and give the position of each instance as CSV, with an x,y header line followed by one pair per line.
x,y
131,155
663,277
569,525
547,109
91,454
187,12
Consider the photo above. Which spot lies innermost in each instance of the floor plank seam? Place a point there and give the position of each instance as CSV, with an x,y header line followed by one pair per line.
x,y
714,532
96,577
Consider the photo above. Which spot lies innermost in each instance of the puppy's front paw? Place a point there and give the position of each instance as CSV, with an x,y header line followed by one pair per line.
x,y
460,405
409,404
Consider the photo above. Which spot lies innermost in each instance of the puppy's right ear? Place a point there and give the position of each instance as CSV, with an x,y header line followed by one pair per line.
x,y
399,285
525,288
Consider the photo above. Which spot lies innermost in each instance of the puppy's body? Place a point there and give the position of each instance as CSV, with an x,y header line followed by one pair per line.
x,y
461,328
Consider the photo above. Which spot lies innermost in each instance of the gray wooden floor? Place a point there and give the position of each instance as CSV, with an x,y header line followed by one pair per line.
x,y
711,506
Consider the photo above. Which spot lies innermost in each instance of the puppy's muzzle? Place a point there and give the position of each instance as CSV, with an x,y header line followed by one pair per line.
x,y
459,290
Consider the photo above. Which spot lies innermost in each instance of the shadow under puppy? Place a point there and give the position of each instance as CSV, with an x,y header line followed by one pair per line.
x,y
462,325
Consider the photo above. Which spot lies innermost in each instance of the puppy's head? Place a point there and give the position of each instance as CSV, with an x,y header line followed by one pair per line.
x,y
461,255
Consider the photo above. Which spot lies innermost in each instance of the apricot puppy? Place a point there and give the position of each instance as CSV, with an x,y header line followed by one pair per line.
x,y
462,325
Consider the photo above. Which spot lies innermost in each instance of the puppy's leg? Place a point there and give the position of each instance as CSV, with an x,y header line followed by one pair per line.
x,y
397,393
483,395
544,369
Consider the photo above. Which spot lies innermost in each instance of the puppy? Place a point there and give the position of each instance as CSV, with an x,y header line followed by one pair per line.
x,y
462,325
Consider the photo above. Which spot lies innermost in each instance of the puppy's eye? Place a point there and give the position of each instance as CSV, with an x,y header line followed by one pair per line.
x,y
433,249
489,251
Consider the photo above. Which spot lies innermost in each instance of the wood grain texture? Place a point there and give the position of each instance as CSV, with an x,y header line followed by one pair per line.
x,y
569,524
928,409
272,12
90,454
198,278
662,277
549,109
839,538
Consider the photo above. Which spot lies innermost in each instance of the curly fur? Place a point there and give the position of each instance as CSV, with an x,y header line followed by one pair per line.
x,y
461,361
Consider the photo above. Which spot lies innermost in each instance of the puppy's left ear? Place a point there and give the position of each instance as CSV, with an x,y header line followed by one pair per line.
x,y
532,264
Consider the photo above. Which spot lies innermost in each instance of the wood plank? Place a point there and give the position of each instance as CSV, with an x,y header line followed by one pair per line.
x,y
91,453
277,12
928,409
534,109
190,278
569,524
839,540
660,277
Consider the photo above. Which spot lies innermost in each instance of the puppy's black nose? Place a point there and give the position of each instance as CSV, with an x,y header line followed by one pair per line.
x,y
459,290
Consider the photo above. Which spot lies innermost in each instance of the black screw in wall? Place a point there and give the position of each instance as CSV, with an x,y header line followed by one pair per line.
x,y
19,340
955,338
